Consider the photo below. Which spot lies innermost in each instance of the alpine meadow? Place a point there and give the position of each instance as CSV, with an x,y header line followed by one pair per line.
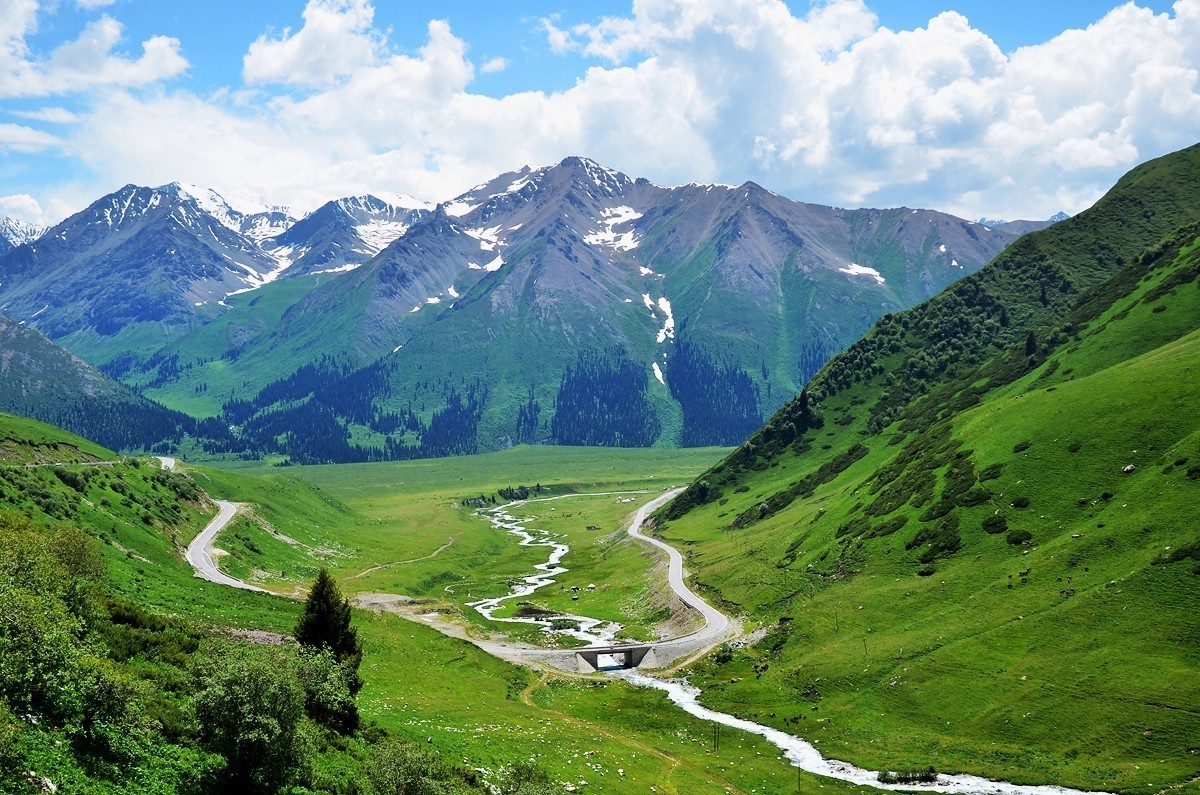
x,y
721,438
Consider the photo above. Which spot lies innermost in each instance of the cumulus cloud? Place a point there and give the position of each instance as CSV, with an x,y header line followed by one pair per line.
x,y
87,62
336,40
22,207
825,106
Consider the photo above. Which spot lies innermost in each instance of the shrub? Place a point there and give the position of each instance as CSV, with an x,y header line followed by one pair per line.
x,y
1018,537
995,524
249,708
1021,447
1020,502
328,689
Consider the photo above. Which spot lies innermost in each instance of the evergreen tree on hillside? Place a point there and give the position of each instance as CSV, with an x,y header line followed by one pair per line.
x,y
326,624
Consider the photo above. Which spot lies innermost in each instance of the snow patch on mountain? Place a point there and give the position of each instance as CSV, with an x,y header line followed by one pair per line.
x,y
349,266
658,373
855,269
254,220
516,186
404,201
668,329
458,208
488,238
494,265
378,234
607,234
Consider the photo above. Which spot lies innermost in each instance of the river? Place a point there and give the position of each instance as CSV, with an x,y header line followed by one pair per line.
x,y
686,696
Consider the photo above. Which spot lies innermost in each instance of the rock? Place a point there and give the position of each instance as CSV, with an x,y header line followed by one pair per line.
x,y
41,783
1129,469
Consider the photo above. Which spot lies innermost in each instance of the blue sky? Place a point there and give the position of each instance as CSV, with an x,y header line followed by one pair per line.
x,y
988,109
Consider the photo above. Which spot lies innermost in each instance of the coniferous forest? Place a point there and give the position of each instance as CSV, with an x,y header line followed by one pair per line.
x,y
602,401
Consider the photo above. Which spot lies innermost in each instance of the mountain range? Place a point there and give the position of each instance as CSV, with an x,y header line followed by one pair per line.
x,y
684,314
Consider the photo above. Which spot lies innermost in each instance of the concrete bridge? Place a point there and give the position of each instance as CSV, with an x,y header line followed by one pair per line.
x,y
589,659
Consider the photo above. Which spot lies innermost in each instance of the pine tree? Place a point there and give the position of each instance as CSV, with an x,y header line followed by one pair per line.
x,y
326,624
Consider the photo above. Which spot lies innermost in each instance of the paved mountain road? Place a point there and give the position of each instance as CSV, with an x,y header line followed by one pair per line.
x,y
715,622
199,552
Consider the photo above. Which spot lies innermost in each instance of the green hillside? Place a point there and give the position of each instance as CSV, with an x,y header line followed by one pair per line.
x,y
27,441
974,539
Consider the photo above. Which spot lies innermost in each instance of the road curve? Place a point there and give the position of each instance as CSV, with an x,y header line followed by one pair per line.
x,y
199,552
715,622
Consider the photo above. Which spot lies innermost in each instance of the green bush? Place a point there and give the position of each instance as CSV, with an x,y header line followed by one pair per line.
x,y
1018,537
995,524
249,709
329,688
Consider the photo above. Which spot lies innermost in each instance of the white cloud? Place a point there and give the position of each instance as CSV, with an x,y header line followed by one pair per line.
x,y
336,40
492,65
88,62
24,207
826,107
18,138
52,115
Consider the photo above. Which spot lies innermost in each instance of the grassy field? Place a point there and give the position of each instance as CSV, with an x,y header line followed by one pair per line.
x,y
421,685
424,685
357,517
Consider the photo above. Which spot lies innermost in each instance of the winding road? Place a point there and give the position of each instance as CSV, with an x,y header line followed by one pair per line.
x,y
199,552
716,623
799,752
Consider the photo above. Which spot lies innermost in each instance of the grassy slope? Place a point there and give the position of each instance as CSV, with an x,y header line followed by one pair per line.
x,y
1012,660
216,373
27,441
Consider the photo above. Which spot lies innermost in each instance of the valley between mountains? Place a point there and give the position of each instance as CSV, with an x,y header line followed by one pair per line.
x,y
951,511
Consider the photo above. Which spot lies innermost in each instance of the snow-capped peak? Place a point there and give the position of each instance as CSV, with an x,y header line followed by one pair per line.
x,y
250,218
404,201
18,232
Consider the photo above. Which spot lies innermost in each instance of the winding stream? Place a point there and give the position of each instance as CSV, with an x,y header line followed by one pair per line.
x,y
800,753
592,631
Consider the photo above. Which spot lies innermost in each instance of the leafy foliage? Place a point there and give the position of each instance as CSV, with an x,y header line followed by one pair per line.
x,y
326,624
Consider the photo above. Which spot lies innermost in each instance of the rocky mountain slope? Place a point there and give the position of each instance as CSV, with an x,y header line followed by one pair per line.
x,y
343,234
13,233
142,263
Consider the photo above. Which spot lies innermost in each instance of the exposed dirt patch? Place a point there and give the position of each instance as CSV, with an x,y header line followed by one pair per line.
x,y
258,636
381,601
